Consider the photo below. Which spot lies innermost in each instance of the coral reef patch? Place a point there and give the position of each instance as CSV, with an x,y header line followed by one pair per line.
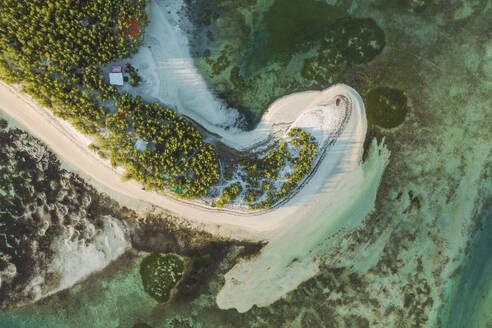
x,y
386,107
253,52
160,274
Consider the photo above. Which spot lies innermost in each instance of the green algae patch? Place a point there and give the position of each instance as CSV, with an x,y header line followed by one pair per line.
x,y
160,274
360,40
386,107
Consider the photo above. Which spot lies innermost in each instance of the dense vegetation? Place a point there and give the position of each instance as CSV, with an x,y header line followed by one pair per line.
x,y
229,194
177,158
67,34
56,49
262,173
160,274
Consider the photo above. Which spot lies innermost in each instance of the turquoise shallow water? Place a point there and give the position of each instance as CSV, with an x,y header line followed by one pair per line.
x,y
470,303
27,322
112,298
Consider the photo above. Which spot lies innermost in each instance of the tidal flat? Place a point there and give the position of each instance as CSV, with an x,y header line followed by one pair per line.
x,y
422,258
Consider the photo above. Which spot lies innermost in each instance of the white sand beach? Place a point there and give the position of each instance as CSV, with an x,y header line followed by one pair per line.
x,y
226,223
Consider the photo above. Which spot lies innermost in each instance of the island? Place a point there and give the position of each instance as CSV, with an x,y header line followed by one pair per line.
x,y
186,161
341,147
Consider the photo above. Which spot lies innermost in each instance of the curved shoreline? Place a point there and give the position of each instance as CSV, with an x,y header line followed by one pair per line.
x,y
247,226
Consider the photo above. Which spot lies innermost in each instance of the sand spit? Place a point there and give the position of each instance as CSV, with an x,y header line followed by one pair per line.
x,y
229,224
292,257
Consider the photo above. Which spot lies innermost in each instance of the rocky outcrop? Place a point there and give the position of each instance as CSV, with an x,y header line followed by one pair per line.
x,y
54,228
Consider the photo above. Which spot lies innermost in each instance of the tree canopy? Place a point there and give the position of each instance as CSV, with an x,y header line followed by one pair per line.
x,y
55,49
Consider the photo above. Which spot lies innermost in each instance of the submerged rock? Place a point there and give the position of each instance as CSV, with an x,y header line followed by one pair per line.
x,y
386,107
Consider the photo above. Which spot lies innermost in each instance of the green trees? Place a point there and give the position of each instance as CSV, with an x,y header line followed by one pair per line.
x,y
67,33
178,158
229,194
134,78
93,79
55,48
267,169
250,196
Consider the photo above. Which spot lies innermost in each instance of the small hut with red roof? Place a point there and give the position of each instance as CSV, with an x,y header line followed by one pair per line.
x,y
131,27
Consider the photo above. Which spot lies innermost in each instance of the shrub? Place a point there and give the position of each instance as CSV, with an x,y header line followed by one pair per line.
x,y
250,196
230,193
134,77
219,203
101,154
126,177
267,169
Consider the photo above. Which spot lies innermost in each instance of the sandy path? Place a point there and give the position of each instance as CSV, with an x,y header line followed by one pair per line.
x,y
253,227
